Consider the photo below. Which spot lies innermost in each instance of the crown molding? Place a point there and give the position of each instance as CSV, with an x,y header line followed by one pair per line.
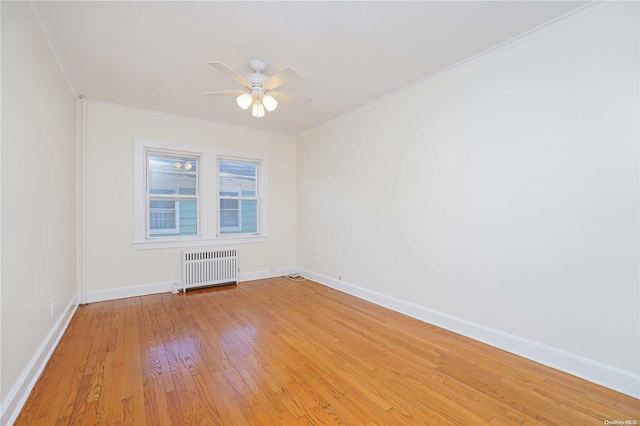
x,y
38,13
184,117
535,32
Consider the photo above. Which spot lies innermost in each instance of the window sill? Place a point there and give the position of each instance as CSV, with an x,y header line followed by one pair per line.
x,y
199,242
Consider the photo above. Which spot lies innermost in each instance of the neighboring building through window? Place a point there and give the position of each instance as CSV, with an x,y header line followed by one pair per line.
x,y
172,195
238,192
164,215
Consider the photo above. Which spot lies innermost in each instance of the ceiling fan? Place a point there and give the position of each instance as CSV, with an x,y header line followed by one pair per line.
x,y
258,88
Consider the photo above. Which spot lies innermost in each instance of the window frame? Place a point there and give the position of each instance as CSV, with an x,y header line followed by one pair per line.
x,y
207,204
240,197
148,152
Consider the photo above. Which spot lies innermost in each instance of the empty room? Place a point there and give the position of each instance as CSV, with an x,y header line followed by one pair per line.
x,y
341,212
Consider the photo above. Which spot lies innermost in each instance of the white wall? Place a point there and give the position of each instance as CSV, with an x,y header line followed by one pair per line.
x,y
505,194
112,263
38,190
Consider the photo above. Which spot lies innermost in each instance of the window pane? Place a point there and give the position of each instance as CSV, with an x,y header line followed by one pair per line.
x,y
249,216
229,204
229,219
172,217
161,204
171,175
169,216
187,216
236,177
162,191
162,219
229,216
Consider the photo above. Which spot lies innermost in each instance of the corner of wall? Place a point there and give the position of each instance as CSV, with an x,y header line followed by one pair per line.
x,y
20,391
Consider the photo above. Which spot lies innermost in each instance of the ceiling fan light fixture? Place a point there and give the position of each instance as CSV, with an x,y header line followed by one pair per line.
x,y
269,102
244,101
257,88
258,109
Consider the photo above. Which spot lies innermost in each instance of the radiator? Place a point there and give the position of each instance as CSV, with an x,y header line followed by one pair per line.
x,y
209,267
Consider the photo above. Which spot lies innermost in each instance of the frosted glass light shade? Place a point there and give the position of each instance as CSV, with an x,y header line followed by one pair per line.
x,y
269,102
258,109
244,101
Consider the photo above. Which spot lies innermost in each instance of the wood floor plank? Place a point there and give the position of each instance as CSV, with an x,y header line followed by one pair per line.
x,y
282,352
74,346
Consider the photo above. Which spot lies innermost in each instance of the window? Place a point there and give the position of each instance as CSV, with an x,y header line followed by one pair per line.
x,y
238,196
172,194
162,214
230,212
193,195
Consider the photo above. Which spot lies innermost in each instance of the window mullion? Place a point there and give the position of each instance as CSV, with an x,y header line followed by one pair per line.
x,y
227,197
174,196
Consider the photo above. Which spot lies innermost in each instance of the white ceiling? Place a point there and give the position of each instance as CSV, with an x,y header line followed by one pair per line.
x,y
154,55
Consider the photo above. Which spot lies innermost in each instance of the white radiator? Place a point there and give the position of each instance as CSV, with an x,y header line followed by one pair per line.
x,y
209,267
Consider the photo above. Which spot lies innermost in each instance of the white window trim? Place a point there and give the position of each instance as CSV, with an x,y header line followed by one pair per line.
x,y
207,197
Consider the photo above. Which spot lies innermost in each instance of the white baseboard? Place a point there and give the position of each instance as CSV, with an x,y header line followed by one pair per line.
x,y
167,286
605,375
266,273
20,391
132,291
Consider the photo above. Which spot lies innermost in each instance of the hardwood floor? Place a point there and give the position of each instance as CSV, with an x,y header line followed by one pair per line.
x,y
283,352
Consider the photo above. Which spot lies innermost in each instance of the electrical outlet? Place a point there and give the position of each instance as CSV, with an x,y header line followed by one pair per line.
x,y
53,309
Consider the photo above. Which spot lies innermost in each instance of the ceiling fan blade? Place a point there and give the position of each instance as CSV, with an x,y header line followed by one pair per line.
x,y
224,93
283,77
285,97
231,73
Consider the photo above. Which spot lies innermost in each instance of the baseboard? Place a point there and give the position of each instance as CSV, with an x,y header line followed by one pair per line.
x,y
266,273
20,391
168,286
132,291
611,377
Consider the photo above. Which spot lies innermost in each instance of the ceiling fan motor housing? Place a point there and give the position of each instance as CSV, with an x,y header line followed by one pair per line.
x,y
256,77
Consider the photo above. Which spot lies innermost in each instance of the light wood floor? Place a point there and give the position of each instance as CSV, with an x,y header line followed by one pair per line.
x,y
286,353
